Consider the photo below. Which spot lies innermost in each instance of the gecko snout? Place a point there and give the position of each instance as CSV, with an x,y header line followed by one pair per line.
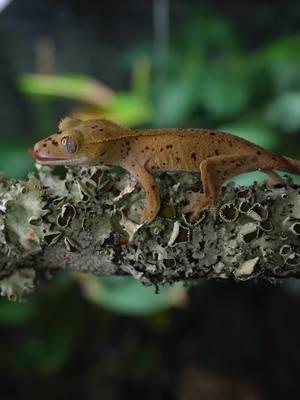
x,y
46,152
36,152
40,149
36,148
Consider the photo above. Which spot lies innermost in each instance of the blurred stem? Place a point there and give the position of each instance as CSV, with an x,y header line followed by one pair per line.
x,y
161,28
140,81
45,56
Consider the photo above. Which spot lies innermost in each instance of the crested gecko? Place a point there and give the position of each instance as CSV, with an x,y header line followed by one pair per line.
x,y
218,156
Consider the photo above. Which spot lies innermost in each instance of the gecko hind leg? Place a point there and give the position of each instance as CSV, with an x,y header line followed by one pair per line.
x,y
152,197
214,172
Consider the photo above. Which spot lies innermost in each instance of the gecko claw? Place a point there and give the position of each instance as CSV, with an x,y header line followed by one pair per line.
x,y
198,202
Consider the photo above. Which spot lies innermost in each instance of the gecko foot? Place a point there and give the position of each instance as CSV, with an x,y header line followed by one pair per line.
x,y
197,203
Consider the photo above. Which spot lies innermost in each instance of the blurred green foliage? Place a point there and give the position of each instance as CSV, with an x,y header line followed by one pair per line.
x,y
127,296
212,81
95,98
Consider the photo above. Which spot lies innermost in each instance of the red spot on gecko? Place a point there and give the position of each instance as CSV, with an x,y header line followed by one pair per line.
x,y
193,156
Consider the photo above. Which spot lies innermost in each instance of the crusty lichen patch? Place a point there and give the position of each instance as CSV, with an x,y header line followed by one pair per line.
x,y
23,214
89,221
19,283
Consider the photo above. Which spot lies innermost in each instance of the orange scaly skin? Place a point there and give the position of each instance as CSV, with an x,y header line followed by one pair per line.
x,y
218,156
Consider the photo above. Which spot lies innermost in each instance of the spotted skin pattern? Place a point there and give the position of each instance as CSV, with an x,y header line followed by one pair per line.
x,y
218,156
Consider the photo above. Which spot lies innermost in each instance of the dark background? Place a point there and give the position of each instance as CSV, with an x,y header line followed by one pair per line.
x,y
222,64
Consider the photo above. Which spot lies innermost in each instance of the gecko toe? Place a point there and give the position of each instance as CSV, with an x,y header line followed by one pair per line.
x,y
198,202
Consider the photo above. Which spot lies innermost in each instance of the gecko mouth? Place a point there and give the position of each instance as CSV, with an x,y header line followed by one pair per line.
x,y
44,160
40,158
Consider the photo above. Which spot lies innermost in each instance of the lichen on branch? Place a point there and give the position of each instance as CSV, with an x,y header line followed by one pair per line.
x,y
88,220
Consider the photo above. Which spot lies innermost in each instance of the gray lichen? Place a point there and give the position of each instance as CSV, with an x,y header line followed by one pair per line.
x,y
88,221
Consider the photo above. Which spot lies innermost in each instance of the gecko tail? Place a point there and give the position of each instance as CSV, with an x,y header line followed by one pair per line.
x,y
290,165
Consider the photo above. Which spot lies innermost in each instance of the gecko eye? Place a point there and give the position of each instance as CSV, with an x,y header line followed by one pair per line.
x,y
69,144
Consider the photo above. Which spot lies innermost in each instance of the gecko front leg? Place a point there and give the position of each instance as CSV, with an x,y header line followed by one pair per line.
x,y
148,183
214,172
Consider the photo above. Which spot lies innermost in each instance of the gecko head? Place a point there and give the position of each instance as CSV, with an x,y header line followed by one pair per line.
x,y
73,144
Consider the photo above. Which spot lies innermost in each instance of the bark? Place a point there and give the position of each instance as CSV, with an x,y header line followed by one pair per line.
x,y
87,221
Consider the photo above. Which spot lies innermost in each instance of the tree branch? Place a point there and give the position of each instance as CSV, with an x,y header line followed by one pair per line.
x,y
88,222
